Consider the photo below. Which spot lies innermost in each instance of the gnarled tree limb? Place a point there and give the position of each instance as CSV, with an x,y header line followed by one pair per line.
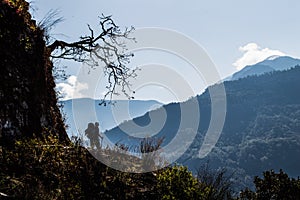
x,y
108,47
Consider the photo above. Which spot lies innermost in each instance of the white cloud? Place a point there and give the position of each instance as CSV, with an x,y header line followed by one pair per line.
x,y
253,53
67,89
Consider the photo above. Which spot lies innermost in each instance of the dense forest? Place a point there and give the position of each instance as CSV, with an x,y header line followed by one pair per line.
x,y
38,161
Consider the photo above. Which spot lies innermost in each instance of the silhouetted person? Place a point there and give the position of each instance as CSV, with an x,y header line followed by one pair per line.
x,y
89,132
97,135
93,134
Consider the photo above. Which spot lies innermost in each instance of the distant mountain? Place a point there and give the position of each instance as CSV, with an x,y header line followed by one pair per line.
x,y
79,112
261,130
270,64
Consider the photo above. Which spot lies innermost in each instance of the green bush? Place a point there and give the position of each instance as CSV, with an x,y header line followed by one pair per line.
x,y
179,183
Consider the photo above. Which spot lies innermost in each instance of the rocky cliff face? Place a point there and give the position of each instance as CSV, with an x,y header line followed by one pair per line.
x,y
28,102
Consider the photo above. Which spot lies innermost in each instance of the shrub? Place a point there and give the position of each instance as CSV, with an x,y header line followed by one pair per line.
x,y
178,183
273,186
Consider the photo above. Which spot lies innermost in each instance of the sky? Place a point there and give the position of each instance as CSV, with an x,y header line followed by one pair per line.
x,y
233,34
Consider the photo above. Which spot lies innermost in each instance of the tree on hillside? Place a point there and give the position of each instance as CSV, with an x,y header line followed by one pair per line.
x,y
273,186
218,181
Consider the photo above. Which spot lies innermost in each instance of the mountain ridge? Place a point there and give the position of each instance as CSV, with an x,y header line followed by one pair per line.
x,y
261,111
109,116
272,63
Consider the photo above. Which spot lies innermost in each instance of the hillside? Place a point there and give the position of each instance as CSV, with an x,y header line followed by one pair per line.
x,y
27,96
37,161
261,129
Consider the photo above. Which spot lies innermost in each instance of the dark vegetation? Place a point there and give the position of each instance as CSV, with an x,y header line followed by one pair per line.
x,y
273,186
45,169
37,161
27,96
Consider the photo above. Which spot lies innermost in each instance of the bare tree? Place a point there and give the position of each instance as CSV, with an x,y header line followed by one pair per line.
x,y
219,182
108,47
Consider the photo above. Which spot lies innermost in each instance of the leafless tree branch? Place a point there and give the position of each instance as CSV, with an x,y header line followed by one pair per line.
x,y
108,47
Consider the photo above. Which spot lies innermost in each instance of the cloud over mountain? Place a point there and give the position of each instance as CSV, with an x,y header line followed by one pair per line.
x,y
253,53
